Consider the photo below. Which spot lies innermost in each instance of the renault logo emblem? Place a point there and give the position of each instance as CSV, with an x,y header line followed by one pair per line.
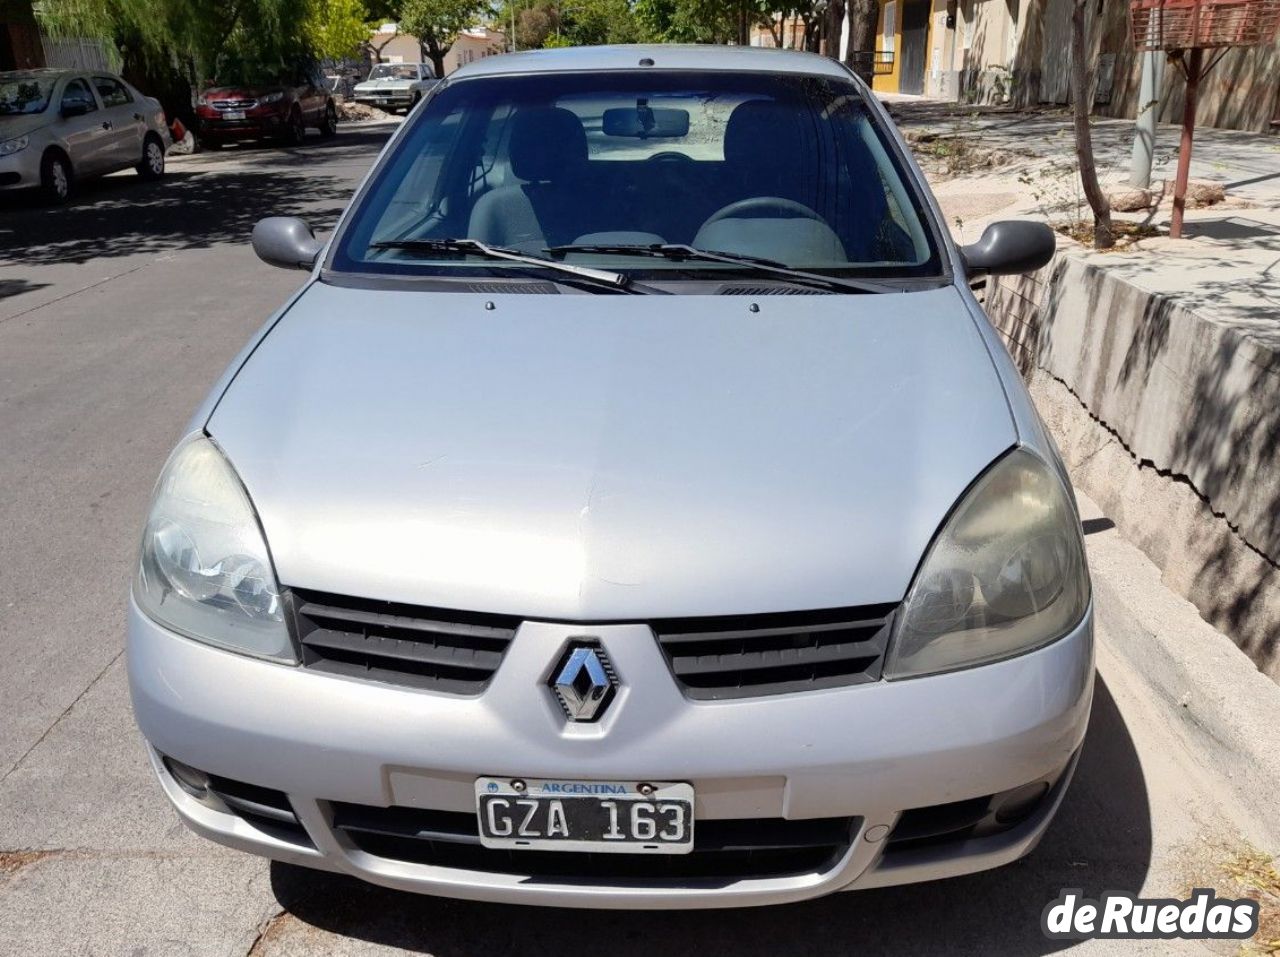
x,y
584,681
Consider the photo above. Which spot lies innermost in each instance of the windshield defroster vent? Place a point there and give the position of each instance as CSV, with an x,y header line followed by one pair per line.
x,y
514,288
778,290
747,655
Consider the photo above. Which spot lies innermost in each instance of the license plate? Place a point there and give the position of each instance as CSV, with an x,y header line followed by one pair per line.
x,y
618,817
233,114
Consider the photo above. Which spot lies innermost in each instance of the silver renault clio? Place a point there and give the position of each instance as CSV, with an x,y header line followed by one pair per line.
x,y
633,508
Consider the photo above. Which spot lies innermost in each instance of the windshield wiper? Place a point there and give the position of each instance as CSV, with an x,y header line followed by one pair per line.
x,y
614,280
681,252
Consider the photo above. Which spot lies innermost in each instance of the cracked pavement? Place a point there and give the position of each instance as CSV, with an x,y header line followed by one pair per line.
x,y
116,315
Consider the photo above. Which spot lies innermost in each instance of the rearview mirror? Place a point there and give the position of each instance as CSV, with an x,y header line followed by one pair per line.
x,y
1009,248
286,241
72,108
645,122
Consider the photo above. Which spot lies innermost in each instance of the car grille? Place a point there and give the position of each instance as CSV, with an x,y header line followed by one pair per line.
x,y
748,655
233,104
722,850
431,648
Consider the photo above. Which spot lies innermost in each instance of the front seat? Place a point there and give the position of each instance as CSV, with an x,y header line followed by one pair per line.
x,y
771,152
548,150
768,149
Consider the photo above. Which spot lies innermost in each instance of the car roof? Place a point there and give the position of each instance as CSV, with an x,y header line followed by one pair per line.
x,y
664,57
46,72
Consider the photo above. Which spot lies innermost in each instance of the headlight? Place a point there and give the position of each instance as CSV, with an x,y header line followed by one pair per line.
x,y
13,145
202,100
271,98
204,569
1005,575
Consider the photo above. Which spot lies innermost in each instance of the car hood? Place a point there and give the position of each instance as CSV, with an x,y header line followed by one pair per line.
x,y
23,123
388,84
582,457
240,92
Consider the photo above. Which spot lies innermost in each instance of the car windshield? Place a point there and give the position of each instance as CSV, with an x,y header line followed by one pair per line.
x,y
24,93
389,71
785,167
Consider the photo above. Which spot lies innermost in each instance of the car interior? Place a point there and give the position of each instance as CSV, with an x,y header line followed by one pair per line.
x,y
757,177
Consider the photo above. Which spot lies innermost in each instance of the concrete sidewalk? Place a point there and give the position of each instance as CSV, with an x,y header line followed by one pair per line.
x,y
1228,265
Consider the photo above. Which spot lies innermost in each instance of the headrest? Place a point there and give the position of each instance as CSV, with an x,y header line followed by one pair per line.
x,y
545,141
767,134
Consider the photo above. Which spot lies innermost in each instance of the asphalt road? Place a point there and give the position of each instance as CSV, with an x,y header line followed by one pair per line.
x,y
116,315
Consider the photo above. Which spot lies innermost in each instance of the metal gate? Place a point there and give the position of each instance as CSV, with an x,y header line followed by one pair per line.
x,y
76,53
915,32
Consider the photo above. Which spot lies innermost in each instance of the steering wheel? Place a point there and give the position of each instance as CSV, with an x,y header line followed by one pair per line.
x,y
774,206
669,156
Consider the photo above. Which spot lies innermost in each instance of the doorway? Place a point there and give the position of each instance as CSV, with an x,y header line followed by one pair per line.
x,y
915,35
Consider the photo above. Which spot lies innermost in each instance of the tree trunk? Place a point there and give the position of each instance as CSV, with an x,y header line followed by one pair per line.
x,y
777,30
1082,105
862,35
434,52
833,28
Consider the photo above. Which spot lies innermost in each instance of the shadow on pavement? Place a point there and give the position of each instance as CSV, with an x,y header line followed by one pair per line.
x,y
16,287
203,201
1100,840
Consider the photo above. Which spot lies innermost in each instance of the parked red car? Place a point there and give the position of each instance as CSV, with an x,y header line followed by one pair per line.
x,y
282,111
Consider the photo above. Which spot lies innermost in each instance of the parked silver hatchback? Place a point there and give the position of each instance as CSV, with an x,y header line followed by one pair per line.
x,y
58,126
633,508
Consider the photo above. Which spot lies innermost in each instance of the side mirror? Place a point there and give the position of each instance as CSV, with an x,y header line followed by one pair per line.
x,y
286,241
1010,247
75,108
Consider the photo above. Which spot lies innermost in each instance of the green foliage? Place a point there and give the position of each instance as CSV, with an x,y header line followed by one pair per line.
x,y
561,23
688,21
336,29
591,22
240,40
437,23
704,21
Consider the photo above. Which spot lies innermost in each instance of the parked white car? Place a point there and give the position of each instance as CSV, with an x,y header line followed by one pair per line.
x,y
58,126
396,86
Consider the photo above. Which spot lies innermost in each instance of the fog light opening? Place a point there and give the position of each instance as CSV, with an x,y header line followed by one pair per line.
x,y
1017,805
195,783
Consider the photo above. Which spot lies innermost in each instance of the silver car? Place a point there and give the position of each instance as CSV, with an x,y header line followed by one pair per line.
x,y
395,86
634,508
58,126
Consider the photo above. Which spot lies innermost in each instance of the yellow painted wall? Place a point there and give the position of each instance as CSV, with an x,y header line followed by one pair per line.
x,y
891,82
888,83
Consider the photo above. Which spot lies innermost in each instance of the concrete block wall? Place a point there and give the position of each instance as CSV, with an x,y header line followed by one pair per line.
x,y
1171,422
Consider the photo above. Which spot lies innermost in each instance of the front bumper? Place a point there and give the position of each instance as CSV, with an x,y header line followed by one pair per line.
x,y
219,128
397,98
868,752
20,170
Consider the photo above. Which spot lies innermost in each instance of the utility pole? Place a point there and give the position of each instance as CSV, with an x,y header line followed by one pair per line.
x,y
1144,136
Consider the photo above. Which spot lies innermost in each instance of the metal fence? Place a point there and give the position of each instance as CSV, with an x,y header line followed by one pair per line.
x,y
80,53
869,61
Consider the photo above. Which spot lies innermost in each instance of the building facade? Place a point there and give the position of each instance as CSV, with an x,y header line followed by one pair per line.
x,y
1018,52
388,45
